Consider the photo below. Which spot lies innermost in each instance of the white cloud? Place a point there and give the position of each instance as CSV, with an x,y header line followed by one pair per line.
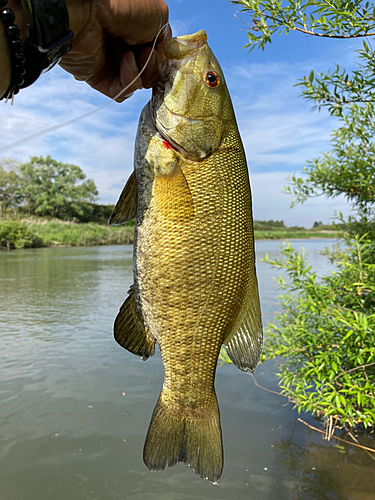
x,y
269,202
283,141
279,132
102,144
278,129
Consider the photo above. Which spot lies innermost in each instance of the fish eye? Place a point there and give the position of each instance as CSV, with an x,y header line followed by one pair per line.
x,y
212,79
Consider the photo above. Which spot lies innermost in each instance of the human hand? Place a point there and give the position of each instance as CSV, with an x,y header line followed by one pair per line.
x,y
110,43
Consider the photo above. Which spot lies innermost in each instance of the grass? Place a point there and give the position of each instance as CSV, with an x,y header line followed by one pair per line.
x,y
55,232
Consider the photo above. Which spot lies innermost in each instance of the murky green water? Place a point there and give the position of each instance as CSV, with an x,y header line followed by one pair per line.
x,y
75,407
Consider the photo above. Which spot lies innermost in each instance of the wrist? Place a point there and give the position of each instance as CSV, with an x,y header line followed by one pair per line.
x,y
16,7
5,66
5,57
79,14
44,29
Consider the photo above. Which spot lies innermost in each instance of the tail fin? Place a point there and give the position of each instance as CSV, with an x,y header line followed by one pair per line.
x,y
176,436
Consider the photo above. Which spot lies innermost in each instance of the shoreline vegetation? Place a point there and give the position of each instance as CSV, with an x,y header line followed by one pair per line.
x,y
46,203
35,232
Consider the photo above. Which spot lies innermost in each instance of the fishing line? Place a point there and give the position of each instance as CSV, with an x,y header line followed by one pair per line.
x,y
89,113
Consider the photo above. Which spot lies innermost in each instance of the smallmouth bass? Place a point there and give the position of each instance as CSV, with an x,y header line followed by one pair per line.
x,y
195,284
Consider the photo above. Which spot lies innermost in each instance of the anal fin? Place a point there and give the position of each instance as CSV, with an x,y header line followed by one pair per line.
x,y
244,343
130,331
126,207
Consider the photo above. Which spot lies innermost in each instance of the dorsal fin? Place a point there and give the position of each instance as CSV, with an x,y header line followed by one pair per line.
x,y
126,207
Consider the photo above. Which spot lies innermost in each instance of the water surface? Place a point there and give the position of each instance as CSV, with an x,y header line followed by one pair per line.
x,y
75,407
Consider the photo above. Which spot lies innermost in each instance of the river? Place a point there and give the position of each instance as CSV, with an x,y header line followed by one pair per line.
x,y
75,407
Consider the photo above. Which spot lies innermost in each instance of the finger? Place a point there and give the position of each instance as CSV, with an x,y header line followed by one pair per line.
x,y
111,83
150,75
135,22
129,74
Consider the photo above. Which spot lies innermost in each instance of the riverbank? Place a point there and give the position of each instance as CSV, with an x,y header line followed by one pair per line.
x,y
33,232
305,234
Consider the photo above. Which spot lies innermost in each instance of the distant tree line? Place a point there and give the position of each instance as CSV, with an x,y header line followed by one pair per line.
x,y
273,225
268,224
46,187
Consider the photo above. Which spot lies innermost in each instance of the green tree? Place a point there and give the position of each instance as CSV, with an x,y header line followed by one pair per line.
x,y
10,186
56,189
325,331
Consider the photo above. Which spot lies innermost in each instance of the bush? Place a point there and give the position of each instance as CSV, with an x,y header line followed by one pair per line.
x,y
325,334
326,330
14,234
96,213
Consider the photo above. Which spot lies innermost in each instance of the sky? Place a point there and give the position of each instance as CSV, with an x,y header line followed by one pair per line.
x,y
279,131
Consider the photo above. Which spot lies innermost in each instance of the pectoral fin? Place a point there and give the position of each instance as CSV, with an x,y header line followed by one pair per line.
x,y
244,344
172,192
130,331
126,207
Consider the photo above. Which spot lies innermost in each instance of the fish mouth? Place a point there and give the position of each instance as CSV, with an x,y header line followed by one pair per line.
x,y
184,46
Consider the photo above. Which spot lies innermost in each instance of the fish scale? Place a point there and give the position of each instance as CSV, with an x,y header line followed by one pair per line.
x,y
195,284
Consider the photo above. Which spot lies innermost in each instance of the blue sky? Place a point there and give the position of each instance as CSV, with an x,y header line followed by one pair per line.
x,y
279,131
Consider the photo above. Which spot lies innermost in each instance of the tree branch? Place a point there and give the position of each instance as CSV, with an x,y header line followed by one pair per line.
x,y
335,437
295,28
331,36
352,370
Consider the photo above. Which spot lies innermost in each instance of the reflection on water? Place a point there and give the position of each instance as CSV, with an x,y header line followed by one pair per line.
x,y
321,473
75,407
